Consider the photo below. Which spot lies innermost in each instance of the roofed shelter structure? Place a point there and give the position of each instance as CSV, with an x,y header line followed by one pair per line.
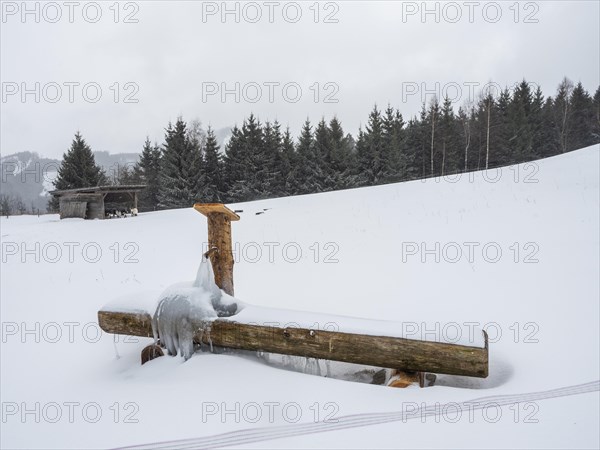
x,y
92,202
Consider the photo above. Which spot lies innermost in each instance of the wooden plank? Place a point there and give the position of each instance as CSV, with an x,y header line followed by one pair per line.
x,y
381,351
80,197
95,208
100,189
72,209
207,208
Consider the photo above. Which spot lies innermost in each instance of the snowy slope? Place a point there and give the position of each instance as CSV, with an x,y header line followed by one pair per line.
x,y
514,251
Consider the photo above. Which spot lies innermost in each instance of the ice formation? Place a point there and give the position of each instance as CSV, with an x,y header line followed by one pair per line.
x,y
187,308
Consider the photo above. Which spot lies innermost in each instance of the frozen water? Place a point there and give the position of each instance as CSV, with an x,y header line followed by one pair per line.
x,y
187,308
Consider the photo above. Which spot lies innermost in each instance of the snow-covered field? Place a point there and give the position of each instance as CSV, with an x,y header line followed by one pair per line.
x,y
514,251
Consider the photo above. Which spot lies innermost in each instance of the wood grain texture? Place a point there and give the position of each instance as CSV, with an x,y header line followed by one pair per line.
x,y
207,208
219,237
382,351
219,219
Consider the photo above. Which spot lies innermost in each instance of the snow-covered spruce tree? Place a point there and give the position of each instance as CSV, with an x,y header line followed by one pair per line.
x,y
287,163
595,113
536,122
339,157
243,162
581,130
449,139
273,160
394,159
214,190
500,134
322,156
148,167
180,172
78,169
233,164
370,147
521,125
363,167
307,172
550,143
257,167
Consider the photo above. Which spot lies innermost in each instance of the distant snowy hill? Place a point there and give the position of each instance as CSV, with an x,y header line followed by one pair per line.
x,y
31,176
110,162
223,135
514,250
28,176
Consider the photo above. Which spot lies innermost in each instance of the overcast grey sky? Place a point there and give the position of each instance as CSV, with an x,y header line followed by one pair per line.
x,y
118,82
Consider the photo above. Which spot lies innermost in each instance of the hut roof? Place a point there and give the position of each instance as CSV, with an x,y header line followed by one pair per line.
x,y
100,189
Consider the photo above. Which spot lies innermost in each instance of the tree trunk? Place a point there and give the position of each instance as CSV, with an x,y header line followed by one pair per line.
x,y
443,157
468,139
432,137
487,138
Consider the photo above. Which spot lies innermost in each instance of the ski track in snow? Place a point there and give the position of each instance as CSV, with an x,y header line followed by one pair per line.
x,y
253,435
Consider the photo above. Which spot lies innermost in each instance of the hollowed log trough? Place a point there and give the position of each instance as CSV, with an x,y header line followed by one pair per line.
x,y
365,349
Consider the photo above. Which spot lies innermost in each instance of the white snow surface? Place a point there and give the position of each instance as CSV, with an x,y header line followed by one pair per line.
x,y
65,384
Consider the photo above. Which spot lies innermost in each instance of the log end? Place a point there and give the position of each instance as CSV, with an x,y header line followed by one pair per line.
x,y
151,352
403,379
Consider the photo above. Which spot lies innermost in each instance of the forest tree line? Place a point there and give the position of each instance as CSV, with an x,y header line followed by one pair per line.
x,y
262,160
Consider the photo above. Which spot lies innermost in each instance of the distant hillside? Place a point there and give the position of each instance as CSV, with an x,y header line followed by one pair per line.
x,y
112,162
30,176
223,135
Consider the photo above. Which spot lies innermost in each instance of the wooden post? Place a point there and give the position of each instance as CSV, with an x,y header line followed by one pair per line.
x,y
219,237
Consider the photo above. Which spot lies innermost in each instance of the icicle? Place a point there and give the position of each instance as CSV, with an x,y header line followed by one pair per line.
x,y
185,309
207,331
286,360
117,356
204,331
311,366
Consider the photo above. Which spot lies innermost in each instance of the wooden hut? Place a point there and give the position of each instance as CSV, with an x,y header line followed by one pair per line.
x,y
91,202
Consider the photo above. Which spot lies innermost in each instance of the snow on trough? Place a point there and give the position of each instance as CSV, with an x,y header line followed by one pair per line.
x,y
251,314
513,251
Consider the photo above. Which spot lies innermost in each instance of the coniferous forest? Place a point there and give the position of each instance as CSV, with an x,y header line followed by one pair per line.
x,y
263,160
